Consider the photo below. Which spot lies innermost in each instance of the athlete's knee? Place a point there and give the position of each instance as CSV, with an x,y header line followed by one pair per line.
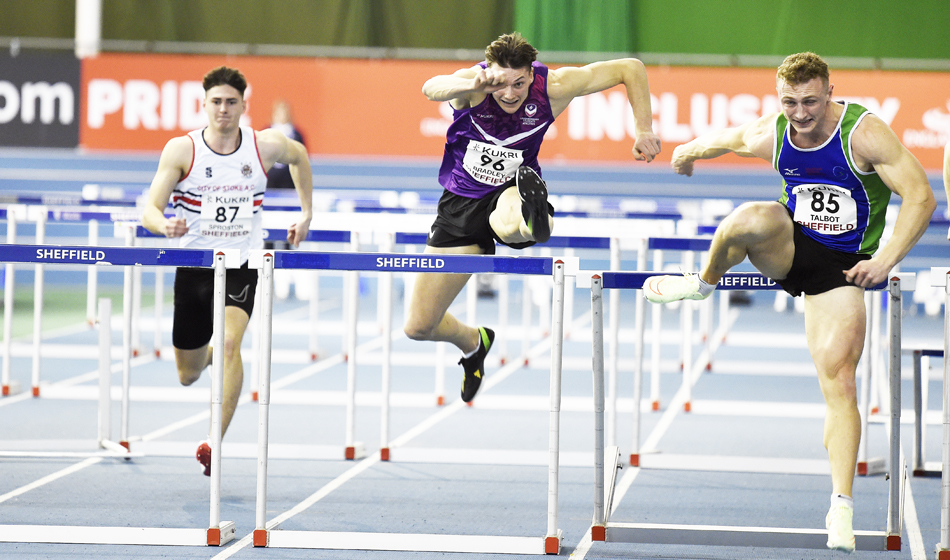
x,y
838,383
416,330
187,376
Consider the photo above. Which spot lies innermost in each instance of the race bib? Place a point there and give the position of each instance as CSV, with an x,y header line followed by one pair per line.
x,y
490,164
825,208
227,214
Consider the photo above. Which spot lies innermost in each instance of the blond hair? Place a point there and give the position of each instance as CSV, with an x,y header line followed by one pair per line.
x,y
800,68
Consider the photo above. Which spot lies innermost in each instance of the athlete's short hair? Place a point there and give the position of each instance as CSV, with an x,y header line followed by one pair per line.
x,y
800,68
511,51
224,76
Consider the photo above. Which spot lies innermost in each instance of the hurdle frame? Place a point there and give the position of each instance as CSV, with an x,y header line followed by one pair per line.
x,y
940,276
605,530
266,535
218,532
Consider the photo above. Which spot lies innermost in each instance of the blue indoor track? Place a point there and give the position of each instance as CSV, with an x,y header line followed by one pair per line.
x,y
749,453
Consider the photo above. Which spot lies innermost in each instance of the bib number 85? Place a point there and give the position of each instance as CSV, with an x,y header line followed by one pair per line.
x,y
820,204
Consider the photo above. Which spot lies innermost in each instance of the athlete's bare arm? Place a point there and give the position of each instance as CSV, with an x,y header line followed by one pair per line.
x,y
874,144
564,84
753,139
946,176
275,147
464,88
173,165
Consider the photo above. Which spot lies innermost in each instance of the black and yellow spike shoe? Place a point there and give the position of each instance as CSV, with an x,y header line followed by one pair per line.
x,y
475,366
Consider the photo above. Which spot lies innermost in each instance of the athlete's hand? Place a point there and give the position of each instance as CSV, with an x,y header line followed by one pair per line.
x,y
298,232
867,273
646,147
682,163
175,227
488,80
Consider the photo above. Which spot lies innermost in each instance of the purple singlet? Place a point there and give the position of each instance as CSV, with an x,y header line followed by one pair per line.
x,y
485,146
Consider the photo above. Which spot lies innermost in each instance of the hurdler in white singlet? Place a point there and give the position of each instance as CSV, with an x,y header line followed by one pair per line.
x,y
220,198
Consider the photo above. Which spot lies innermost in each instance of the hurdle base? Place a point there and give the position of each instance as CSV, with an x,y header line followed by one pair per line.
x,y
145,536
36,391
719,535
871,467
598,533
943,553
261,537
893,542
552,543
384,454
930,470
355,451
655,405
411,542
222,534
634,459
13,388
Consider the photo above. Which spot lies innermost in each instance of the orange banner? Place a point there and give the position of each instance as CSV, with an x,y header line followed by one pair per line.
x,y
376,108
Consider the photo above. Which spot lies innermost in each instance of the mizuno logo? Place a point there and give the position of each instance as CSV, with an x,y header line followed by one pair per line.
x,y
793,171
241,297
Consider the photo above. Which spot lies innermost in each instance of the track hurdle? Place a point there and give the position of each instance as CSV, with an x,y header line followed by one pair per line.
x,y
41,216
941,277
218,532
268,536
603,529
921,363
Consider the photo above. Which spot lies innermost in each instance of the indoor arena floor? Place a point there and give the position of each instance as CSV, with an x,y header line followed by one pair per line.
x,y
749,453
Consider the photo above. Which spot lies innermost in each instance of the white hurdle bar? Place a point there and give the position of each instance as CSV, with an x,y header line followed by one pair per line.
x,y
603,529
218,532
268,536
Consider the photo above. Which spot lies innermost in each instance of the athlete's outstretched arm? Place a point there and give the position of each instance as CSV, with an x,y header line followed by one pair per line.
x,y
465,87
172,167
564,84
875,142
753,139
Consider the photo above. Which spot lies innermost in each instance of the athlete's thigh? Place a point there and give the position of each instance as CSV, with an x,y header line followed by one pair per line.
x,y
433,293
766,230
235,323
834,328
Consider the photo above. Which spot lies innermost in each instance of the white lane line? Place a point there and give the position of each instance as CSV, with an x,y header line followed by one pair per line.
x,y
50,478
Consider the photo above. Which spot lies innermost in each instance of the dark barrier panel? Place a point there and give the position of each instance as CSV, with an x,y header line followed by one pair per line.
x,y
39,100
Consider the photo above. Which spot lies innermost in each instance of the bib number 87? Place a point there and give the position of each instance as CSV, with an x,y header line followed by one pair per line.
x,y
221,213
819,204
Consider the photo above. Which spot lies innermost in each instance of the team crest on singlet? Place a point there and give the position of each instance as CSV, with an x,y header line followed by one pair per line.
x,y
246,169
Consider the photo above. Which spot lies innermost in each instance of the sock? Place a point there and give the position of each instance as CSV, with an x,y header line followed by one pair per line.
x,y
705,288
472,353
841,499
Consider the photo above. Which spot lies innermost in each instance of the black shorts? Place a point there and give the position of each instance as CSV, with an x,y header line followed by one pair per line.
x,y
194,302
463,221
816,269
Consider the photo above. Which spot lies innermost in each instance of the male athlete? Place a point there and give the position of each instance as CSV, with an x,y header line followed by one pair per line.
x,y
493,189
215,178
839,165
